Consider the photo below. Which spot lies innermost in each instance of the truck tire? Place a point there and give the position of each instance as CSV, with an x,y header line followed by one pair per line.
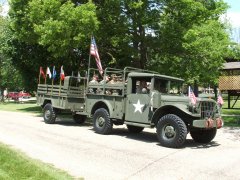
x,y
171,131
101,121
79,119
49,114
134,129
203,135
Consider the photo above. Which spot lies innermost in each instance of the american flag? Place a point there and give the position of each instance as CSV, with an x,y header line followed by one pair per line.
x,y
220,100
94,52
192,96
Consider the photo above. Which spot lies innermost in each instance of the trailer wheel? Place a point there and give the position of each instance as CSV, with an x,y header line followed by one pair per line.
x,y
203,135
134,129
171,131
101,121
49,114
79,119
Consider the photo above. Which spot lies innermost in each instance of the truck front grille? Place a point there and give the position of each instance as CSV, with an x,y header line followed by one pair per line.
x,y
207,109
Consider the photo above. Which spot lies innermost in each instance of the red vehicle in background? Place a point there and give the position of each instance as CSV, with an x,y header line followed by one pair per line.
x,y
12,95
17,95
24,95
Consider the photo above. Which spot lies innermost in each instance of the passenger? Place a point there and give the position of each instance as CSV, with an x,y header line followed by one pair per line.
x,y
94,81
105,80
114,79
142,88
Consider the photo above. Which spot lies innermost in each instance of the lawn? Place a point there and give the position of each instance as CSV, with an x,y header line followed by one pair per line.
x,y
29,107
231,116
16,165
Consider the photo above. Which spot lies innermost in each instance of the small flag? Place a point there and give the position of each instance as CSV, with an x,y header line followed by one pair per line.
x,y
192,96
220,100
62,75
54,73
42,73
94,52
49,73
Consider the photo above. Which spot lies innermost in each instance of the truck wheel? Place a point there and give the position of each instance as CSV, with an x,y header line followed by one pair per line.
x,y
101,122
171,131
134,129
203,135
79,119
49,114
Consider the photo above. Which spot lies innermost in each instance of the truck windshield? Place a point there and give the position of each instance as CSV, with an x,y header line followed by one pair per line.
x,y
161,85
168,87
176,87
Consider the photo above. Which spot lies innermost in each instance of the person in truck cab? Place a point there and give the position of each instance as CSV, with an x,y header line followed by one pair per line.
x,y
142,88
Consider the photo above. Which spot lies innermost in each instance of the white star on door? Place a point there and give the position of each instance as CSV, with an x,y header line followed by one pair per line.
x,y
138,107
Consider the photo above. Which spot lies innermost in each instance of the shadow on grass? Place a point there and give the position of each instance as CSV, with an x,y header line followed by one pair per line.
x,y
34,109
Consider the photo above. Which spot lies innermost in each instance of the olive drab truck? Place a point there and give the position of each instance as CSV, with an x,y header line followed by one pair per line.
x,y
161,104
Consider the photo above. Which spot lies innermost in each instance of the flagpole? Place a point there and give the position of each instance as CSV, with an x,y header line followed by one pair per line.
x,y
89,61
46,77
39,77
90,53
52,86
60,86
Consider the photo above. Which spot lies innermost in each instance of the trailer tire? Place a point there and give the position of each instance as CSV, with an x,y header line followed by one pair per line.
x,y
102,123
203,135
134,129
171,131
49,114
79,119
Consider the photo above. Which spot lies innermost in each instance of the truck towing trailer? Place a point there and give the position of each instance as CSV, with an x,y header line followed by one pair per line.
x,y
161,105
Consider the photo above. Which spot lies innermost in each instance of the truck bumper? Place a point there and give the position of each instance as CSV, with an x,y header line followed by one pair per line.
x,y
208,123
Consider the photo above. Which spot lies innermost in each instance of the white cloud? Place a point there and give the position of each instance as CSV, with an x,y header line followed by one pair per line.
x,y
5,9
233,18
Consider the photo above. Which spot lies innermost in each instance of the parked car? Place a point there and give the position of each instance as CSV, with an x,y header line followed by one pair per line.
x,y
17,95
24,95
13,95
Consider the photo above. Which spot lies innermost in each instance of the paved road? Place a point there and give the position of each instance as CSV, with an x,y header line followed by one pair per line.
x,y
83,153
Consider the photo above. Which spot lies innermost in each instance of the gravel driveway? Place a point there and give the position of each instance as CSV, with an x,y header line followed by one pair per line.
x,y
121,155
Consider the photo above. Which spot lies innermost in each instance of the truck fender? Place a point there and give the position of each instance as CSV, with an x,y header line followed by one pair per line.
x,y
179,110
102,104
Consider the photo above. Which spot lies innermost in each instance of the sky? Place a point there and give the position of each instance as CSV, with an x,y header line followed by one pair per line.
x,y
233,13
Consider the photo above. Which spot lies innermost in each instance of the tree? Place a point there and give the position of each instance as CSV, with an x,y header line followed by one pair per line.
x,y
160,35
192,41
126,30
10,77
50,32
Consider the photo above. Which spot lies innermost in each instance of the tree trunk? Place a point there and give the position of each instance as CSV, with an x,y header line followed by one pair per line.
x,y
2,94
195,89
142,48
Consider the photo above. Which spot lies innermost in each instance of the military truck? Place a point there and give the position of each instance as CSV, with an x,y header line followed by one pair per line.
x,y
162,105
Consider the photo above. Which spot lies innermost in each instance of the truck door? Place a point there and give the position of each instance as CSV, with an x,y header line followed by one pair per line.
x,y
138,103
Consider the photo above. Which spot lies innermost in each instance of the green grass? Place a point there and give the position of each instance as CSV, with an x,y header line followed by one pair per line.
x,y
231,117
15,165
29,107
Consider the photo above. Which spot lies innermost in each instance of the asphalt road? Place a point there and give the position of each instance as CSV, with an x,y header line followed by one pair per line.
x,y
121,155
